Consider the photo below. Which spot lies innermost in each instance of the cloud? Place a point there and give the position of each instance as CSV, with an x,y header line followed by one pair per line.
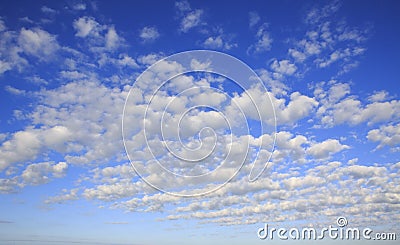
x,y
48,10
191,20
64,197
254,18
79,121
24,145
264,41
386,135
149,34
218,42
85,26
326,148
79,6
38,43
338,106
38,173
283,67
100,37
379,96
182,6
112,39
14,91
329,43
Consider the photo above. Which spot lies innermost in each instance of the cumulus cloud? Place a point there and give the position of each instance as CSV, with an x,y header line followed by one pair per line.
x,y
219,42
329,43
38,43
39,173
254,18
264,41
148,34
48,10
386,135
189,18
283,67
100,37
86,25
79,120
79,6
112,39
326,148
338,106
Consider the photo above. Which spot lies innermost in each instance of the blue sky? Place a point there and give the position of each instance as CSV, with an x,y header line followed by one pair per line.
x,y
67,68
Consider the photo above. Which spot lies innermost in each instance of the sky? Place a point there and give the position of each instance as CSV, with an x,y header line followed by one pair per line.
x,y
197,122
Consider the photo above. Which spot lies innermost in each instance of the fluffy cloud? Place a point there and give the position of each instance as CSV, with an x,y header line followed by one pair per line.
x,y
192,19
219,42
101,37
189,18
38,173
325,149
148,34
254,18
85,26
386,135
264,41
327,42
38,43
338,106
283,67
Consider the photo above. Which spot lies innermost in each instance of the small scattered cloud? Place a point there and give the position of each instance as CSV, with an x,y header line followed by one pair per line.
x,y
264,41
188,18
149,34
48,10
79,6
254,18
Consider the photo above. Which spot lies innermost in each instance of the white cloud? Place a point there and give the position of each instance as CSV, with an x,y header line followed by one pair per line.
x,y
2,25
14,91
264,41
38,43
41,173
379,96
148,34
254,18
191,20
218,42
182,6
283,67
360,171
24,145
386,135
48,10
64,197
99,37
112,39
85,26
328,42
9,185
338,106
79,6
297,182
326,148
